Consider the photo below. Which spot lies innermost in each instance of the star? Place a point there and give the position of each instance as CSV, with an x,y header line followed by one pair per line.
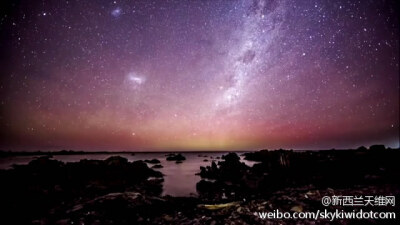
x,y
240,74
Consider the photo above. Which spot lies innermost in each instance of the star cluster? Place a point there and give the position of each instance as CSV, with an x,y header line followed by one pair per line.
x,y
198,75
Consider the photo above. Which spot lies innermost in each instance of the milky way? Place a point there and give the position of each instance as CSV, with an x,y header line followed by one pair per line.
x,y
198,75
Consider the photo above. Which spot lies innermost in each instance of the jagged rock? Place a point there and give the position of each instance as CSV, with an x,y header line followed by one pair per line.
x,y
230,169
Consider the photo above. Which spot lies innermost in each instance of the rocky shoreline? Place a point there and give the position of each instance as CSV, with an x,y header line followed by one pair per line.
x,y
115,191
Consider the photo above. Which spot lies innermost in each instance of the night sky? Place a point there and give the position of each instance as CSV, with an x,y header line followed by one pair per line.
x,y
198,75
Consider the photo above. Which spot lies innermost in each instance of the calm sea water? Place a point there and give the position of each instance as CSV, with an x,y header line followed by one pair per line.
x,y
179,179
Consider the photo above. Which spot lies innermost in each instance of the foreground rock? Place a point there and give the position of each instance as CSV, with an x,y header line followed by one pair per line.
x,y
276,170
114,208
231,169
46,188
115,191
135,208
225,180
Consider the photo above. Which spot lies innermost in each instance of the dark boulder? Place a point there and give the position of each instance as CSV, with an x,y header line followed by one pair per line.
x,y
229,170
176,157
231,157
361,148
157,166
377,147
46,186
45,164
204,186
153,161
116,161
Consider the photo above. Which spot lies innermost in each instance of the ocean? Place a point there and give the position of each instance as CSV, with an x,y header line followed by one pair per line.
x,y
179,179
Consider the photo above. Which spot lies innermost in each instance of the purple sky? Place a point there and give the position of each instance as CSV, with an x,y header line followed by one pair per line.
x,y
198,75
